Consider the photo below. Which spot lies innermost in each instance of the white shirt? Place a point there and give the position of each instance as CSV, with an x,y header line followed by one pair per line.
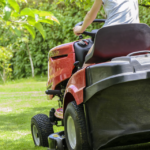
x,y
121,12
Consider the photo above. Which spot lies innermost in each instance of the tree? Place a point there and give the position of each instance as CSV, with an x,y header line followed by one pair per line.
x,y
69,13
20,20
26,18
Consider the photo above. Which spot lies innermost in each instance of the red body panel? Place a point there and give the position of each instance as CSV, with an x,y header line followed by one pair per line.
x,y
60,68
61,65
62,50
76,85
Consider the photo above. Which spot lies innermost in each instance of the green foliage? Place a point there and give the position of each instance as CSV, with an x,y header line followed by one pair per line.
x,y
14,5
10,11
21,19
40,28
144,2
30,29
85,4
56,35
68,13
5,69
144,11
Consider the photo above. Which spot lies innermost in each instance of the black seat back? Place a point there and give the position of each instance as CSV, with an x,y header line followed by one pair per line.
x,y
119,40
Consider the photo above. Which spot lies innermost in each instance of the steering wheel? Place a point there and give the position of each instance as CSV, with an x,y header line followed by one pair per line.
x,y
92,33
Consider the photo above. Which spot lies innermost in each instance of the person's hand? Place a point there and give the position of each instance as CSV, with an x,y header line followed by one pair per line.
x,y
77,30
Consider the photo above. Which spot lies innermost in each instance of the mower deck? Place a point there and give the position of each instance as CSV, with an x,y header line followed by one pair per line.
x,y
57,142
144,146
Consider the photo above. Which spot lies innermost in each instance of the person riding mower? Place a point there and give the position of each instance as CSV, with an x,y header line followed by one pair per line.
x,y
106,104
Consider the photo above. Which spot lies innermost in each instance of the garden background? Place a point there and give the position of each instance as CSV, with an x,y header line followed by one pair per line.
x,y
24,55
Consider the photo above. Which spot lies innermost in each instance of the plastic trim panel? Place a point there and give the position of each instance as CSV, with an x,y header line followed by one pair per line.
x,y
116,79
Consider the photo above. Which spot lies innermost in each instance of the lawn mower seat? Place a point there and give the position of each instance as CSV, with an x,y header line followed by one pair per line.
x,y
119,40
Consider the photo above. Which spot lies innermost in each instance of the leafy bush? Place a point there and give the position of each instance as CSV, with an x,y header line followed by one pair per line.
x,y
5,69
68,15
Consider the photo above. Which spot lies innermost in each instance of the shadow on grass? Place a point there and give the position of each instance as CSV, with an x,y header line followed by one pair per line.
x,y
20,121
19,144
15,129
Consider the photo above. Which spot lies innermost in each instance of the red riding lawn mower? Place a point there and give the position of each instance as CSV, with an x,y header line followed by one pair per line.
x,y
105,105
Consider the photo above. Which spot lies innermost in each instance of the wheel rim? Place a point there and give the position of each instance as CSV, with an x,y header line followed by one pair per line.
x,y
71,132
36,136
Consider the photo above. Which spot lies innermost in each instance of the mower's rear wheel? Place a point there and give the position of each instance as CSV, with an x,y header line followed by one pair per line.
x,y
41,128
75,127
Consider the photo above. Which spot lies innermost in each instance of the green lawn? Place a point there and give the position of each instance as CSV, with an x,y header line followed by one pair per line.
x,y
19,102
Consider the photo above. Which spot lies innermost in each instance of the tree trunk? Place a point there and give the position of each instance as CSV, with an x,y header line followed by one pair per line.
x,y
31,62
3,75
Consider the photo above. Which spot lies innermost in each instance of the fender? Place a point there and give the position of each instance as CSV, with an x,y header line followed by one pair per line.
x,y
74,89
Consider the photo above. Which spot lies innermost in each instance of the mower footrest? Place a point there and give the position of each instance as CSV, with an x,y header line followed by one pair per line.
x,y
57,141
59,113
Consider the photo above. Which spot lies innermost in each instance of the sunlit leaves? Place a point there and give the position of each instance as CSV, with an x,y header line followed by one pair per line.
x,y
8,23
42,13
25,1
31,30
7,13
17,31
45,21
32,18
47,15
146,2
40,16
55,35
27,11
15,14
53,19
40,28
14,5
86,4
36,16
2,2
5,54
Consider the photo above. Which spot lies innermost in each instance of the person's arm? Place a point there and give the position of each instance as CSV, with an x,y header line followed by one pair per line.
x,y
90,16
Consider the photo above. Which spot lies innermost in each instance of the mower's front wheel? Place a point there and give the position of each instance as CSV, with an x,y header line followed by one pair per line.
x,y
75,127
41,128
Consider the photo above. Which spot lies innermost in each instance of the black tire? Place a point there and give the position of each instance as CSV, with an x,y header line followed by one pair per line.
x,y
76,112
41,125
